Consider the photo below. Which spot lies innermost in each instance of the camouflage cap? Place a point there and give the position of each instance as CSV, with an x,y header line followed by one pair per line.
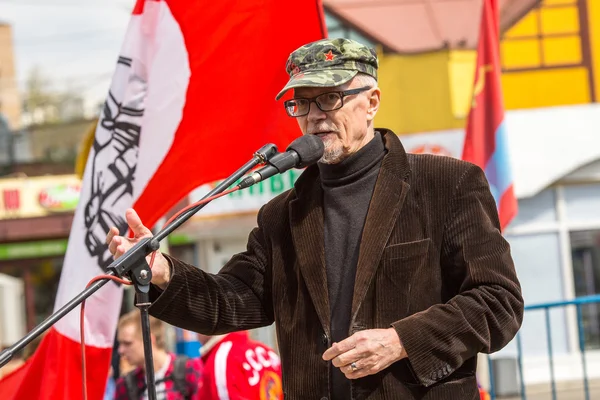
x,y
328,63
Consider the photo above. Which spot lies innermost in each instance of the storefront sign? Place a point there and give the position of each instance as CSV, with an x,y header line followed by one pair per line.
x,y
44,248
58,247
246,200
38,196
445,143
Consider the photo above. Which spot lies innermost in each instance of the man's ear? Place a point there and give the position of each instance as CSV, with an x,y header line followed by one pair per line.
x,y
374,101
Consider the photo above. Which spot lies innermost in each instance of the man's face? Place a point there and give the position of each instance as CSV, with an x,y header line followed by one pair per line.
x,y
131,346
343,131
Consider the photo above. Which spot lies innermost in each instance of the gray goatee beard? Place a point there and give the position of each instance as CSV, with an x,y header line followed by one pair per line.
x,y
332,155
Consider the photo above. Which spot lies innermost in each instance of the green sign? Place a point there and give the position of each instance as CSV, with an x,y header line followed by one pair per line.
x,y
58,247
44,248
176,239
273,186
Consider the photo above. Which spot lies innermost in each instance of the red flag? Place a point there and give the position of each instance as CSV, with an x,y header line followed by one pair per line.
x,y
10,383
485,141
192,98
237,53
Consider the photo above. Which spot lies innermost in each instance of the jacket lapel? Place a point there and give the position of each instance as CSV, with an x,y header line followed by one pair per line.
x,y
306,217
388,197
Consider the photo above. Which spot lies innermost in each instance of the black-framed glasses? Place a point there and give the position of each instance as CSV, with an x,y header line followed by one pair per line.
x,y
329,101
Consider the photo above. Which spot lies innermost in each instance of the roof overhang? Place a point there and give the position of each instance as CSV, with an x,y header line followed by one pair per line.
x,y
418,26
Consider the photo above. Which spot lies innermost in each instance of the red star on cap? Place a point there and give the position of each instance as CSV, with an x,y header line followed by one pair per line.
x,y
329,56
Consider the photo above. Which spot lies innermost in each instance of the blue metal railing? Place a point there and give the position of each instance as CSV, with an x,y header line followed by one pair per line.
x,y
577,302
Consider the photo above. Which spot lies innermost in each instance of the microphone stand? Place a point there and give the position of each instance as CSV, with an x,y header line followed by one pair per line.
x,y
133,264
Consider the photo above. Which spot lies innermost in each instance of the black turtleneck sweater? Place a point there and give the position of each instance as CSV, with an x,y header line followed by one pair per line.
x,y
348,187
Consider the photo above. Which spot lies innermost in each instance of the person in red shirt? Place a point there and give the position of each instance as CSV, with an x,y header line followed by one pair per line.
x,y
239,368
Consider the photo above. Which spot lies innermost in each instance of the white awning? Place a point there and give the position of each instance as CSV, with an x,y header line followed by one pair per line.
x,y
545,144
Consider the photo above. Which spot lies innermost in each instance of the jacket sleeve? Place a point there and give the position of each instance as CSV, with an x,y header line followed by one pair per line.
x,y
237,298
487,310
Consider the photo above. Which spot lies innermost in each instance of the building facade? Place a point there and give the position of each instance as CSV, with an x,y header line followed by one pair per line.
x,y
10,101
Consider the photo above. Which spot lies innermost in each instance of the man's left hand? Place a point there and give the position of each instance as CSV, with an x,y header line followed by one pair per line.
x,y
366,352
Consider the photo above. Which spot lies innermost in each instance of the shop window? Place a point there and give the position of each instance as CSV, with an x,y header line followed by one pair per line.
x,y
553,34
185,252
538,264
45,275
585,250
537,210
582,202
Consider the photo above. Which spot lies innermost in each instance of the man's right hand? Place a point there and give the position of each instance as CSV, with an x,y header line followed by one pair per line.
x,y
118,245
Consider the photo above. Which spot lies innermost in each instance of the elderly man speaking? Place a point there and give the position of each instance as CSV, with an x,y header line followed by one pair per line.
x,y
385,272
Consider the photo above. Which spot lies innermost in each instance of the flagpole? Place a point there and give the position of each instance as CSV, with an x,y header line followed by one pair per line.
x,y
133,265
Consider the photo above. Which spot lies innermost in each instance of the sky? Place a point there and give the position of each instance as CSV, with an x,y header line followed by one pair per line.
x,y
75,43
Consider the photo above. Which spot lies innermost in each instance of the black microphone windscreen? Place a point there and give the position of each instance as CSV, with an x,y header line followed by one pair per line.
x,y
310,149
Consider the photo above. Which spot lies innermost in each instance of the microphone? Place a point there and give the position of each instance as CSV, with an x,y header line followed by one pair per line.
x,y
302,152
265,153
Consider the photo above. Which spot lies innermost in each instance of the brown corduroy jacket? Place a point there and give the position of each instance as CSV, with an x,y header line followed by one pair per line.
x,y
432,264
